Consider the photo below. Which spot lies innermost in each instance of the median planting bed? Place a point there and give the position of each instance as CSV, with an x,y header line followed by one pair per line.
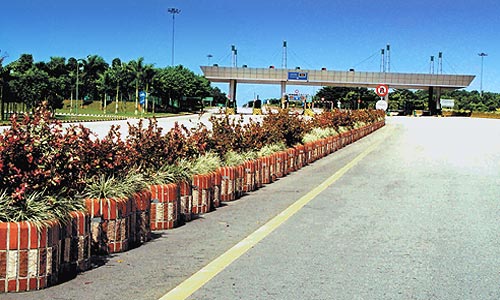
x,y
68,197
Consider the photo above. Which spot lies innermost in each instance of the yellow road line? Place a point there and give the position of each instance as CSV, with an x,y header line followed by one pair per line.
x,y
197,280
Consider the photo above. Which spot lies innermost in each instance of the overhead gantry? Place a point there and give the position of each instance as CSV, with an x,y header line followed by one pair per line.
x,y
434,83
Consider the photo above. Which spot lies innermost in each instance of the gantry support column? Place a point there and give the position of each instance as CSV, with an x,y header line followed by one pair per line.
x,y
430,101
232,92
283,93
438,101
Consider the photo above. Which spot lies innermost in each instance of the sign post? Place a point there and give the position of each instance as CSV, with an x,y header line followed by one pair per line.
x,y
382,91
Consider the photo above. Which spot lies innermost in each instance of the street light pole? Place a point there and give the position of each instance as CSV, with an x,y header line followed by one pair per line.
x,y
482,54
173,11
76,100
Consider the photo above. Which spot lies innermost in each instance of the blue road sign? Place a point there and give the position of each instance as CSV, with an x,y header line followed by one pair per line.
x,y
142,97
297,76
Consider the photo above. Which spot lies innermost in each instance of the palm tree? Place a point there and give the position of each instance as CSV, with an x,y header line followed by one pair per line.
x,y
136,67
92,67
117,74
148,75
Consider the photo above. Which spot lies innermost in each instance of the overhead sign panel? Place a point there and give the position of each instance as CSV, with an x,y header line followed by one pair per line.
x,y
303,76
448,103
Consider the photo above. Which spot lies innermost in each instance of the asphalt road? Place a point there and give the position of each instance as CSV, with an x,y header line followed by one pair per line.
x,y
416,218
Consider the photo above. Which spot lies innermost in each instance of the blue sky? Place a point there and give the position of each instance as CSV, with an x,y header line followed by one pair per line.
x,y
328,33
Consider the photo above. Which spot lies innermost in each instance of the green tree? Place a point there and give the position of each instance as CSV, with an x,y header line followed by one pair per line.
x,y
27,83
136,70
93,66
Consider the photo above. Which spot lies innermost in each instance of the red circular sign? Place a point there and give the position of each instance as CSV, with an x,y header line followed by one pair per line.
x,y
382,90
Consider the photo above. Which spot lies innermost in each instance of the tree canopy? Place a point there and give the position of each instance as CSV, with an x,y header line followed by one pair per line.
x,y
25,82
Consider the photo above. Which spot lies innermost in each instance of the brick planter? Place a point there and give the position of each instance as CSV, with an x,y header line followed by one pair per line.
x,y
240,179
268,165
29,256
216,179
201,191
140,218
280,164
309,152
228,183
111,224
75,236
249,178
300,152
165,206
291,159
186,201
258,173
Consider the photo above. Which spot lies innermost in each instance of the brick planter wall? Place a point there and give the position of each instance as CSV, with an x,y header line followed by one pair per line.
x,y
240,179
111,220
201,189
216,178
140,218
165,206
268,163
29,256
228,183
186,201
75,236
258,173
249,177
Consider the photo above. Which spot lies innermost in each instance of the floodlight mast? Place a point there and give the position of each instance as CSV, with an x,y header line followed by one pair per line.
x,y
482,54
174,11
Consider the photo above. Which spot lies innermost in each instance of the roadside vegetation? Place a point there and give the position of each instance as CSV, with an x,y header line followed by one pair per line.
x,y
46,171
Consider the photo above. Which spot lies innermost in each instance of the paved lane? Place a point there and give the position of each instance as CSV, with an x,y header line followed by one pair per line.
x,y
417,219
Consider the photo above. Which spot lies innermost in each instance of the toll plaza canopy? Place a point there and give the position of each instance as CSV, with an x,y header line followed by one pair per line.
x,y
233,75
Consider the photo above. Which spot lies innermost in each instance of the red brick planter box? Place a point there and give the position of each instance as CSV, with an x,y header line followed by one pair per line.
x,y
140,218
75,236
300,152
268,165
216,179
279,164
165,206
249,178
240,179
111,224
291,159
186,201
201,191
29,256
228,183
258,173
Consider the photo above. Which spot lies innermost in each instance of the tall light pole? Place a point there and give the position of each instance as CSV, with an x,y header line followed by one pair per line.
x,y
209,56
173,11
482,54
77,82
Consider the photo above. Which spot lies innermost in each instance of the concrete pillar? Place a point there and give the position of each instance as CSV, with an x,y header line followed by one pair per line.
x,y
438,101
430,101
283,93
232,90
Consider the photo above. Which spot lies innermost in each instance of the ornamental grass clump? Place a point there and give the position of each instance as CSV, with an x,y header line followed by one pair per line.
x,y
271,149
206,163
106,187
37,207
318,134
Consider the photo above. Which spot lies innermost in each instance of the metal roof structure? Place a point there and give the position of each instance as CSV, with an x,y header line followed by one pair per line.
x,y
335,78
